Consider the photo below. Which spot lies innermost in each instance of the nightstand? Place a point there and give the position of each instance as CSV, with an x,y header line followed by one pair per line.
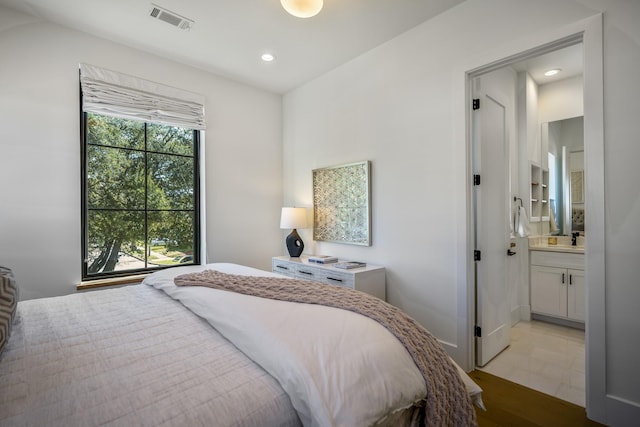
x,y
369,279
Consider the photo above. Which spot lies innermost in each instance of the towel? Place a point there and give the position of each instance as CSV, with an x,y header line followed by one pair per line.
x,y
512,227
522,222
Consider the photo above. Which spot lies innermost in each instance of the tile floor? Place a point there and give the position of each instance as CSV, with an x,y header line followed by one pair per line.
x,y
545,357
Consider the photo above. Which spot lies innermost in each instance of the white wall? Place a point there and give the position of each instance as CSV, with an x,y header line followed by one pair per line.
x,y
397,106
40,153
560,100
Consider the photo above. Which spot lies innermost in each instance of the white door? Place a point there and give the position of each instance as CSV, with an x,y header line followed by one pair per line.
x,y
492,216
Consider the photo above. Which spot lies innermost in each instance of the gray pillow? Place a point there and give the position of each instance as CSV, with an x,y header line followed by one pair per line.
x,y
8,304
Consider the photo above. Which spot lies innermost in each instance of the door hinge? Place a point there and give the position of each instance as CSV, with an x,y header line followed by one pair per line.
x,y
476,103
476,179
477,331
477,255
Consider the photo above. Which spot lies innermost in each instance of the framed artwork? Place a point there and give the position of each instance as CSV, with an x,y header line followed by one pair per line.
x,y
341,204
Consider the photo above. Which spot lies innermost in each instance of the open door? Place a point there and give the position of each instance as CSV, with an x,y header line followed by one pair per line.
x,y
492,223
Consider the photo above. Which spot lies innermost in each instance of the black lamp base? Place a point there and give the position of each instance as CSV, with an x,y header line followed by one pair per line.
x,y
294,244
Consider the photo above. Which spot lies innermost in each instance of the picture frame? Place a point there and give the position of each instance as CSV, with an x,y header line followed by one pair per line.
x,y
341,203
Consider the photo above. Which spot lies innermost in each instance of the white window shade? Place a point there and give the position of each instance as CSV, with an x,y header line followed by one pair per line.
x,y
119,95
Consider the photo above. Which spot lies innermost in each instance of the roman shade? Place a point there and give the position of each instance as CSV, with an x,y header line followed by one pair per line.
x,y
115,94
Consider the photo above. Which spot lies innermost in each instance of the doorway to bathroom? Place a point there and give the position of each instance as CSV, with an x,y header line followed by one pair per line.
x,y
515,200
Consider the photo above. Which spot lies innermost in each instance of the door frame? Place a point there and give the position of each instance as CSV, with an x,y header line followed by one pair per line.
x,y
590,32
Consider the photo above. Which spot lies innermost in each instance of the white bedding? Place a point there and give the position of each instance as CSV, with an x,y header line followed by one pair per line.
x,y
130,357
358,376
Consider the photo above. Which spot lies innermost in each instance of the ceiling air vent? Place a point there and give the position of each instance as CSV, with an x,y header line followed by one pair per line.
x,y
170,17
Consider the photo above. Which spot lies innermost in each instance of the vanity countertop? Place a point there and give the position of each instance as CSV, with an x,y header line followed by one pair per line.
x,y
558,248
541,243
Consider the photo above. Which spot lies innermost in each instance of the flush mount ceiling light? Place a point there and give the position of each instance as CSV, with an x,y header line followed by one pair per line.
x,y
267,57
302,8
552,72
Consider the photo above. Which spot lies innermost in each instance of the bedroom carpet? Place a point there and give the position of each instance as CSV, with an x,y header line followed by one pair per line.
x,y
510,404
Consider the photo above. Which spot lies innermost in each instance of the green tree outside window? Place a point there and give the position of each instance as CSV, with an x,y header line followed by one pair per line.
x,y
141,201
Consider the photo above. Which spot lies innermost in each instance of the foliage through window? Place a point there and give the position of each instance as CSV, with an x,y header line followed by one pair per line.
x,y
140,196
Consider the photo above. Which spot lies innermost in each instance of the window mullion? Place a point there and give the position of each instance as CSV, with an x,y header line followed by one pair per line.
x,y
147,248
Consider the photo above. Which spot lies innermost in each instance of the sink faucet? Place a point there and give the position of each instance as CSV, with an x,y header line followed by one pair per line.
x,y
574,238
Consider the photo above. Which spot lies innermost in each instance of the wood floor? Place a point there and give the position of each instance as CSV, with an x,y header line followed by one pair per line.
x,y
510,404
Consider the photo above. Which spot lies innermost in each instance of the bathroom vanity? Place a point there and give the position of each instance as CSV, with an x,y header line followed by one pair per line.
x,y
557,279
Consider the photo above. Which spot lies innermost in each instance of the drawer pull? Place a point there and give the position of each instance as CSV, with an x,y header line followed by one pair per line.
x,y
282,267
308,273
334,279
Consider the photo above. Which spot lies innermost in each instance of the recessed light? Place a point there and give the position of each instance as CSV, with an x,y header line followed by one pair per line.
x,y
268,57
552,72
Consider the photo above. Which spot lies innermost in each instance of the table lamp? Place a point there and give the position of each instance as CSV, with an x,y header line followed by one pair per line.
x,y
294,218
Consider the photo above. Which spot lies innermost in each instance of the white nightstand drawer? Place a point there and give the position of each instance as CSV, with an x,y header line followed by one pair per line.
x,y
369,279
309,273
282,267
338,278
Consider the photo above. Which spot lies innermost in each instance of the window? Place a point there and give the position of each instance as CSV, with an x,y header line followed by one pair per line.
x,y
140,188
140,196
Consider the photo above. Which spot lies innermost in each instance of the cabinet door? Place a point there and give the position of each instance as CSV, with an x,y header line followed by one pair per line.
x,y
575,296
549,290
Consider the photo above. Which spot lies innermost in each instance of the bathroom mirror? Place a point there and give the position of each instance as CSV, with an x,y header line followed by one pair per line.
x,y
563,141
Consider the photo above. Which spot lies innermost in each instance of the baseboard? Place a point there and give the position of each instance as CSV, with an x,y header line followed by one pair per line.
x,y
521,312
515,315
622,412
558,321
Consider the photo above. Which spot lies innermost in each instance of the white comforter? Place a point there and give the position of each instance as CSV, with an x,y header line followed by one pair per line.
x,y
130,357
338,368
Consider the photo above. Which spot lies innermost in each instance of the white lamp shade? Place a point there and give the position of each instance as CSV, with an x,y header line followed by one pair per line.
x,y
302,8
293,218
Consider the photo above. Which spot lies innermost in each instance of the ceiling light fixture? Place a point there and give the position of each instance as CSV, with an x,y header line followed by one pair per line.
x,y
552,72
267,57
302,8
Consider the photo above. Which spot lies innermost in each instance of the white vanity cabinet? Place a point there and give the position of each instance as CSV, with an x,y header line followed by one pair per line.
x,y
557,284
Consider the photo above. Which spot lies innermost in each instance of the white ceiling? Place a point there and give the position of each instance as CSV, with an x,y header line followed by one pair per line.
x,y
569,60
229,36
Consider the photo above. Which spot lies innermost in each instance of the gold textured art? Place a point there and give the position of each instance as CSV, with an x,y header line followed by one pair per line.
x,y
341,208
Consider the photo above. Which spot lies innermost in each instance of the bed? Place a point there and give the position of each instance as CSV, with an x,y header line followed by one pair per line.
x,y
167,353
